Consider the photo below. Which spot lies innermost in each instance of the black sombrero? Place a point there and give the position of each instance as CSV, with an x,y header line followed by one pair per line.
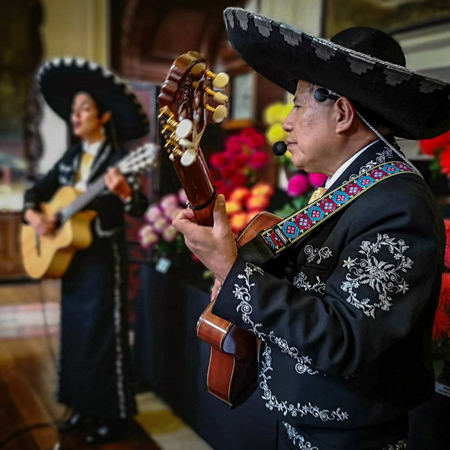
x,y
60,79
363,64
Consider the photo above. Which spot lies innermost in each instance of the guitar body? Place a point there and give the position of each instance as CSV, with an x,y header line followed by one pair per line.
x,y
233,367
50,256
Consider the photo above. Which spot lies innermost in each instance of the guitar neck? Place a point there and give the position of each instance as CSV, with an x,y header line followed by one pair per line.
x,y
92,191
200,191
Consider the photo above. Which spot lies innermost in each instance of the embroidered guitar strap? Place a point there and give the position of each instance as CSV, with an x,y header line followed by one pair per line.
x,y
272,241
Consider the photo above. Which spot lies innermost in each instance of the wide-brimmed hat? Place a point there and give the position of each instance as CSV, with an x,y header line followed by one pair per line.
x,y
60,79
363,64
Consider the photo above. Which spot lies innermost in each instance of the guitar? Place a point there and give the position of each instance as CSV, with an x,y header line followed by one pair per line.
x,y
185,110
50,256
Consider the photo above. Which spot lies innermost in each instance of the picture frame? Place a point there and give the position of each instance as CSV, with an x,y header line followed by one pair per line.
x,y
387,15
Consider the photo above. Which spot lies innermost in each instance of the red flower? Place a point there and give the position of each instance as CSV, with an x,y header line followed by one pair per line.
x,y
445,160
444,296
258,159
441,326
219,160
248,132
429,146
239,179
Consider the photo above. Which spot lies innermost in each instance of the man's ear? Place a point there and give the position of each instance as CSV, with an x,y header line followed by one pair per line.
x,y
105,117
345,114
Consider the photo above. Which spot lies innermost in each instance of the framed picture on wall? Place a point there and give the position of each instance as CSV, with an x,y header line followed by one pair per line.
x,y
242,96
386,15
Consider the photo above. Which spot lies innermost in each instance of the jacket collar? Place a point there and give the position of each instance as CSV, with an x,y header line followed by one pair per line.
x,y
377,153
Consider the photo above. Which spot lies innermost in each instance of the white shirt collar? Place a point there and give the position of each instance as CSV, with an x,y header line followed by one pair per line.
x,y
92,148
347,163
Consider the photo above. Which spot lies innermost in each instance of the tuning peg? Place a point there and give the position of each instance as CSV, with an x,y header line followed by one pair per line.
x,y
220,80
219,113
184,128
167,117
198,69
189,156
219,97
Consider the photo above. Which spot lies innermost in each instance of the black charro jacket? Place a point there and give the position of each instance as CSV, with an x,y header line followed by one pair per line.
x,y
345,317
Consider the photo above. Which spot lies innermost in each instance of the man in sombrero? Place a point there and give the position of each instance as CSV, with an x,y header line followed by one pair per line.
x,y
342,295
94,365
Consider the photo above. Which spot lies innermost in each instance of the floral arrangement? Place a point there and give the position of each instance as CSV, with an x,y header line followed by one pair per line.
x,y
439,149
158,233
236,166
441,325
244,204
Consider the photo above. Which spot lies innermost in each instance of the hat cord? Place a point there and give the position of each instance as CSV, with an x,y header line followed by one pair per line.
x,y
388,143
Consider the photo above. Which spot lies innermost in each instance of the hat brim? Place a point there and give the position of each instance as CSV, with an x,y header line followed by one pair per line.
x,y
62,78
415,106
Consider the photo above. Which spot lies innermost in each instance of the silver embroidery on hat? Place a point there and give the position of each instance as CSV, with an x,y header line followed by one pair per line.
x,y
290,35
359,65
264,26
229,15
395,77
427,86
242,16
322,52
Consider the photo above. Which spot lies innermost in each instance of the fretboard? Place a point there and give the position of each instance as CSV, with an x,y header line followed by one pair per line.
x,y
91,192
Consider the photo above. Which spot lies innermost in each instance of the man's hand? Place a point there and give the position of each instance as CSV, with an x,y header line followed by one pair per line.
x,y
43,225
214,246
117,184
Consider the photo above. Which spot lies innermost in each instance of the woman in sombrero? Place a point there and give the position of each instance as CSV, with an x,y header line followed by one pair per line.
x,y
94,364
342,294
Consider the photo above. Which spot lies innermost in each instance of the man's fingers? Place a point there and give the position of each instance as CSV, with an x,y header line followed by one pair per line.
x,y
184,221
220,214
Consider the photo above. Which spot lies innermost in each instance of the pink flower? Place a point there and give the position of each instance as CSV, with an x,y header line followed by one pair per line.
x,y
170,233
297,185
160,224
168,201
147,236
153,213
258,159
317,179
174,213
182,198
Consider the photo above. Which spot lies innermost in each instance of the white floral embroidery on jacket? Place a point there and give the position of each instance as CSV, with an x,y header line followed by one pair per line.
x,y
294,436
400,445
242,293
301,282
382,276
322,253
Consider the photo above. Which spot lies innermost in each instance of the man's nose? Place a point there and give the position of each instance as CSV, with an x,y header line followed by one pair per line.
x,y
287,124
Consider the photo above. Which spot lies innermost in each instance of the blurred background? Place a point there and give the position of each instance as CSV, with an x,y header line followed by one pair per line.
x,y
138,40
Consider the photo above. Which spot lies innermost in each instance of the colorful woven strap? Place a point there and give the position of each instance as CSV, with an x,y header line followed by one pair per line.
x,y
289,230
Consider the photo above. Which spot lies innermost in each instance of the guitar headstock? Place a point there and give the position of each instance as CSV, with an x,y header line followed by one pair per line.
x,y
191,97
139,160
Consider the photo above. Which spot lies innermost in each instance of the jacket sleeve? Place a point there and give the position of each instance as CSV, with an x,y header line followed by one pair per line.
x,y
138,204
44,189
386,271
